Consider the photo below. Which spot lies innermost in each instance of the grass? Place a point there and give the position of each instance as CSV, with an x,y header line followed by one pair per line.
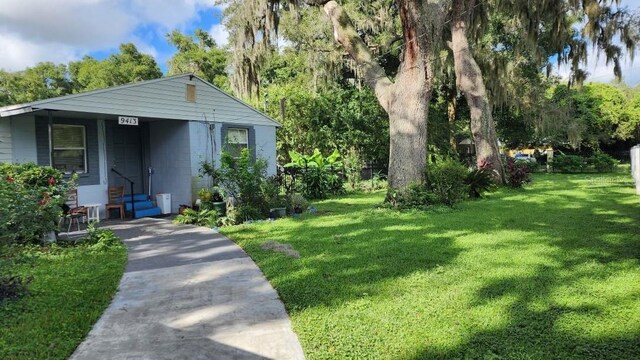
x,y
70,288
551,271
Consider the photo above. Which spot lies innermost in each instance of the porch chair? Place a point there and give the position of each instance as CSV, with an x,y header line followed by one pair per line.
x,y
72,211
116,200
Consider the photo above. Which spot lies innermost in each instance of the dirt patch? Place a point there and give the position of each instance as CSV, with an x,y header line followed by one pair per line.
x,y
281,248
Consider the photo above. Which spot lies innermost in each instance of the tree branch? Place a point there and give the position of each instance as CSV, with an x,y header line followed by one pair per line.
x,y
346,34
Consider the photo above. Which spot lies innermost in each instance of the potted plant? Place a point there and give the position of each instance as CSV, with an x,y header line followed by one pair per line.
x,y
279,207
297,204
218,202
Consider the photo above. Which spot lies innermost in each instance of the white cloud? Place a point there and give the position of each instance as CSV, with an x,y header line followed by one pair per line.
x,y
220,34
599,71
16,50
62,30
169,14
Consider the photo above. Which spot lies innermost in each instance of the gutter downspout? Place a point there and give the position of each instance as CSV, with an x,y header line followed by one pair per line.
x,y
50,117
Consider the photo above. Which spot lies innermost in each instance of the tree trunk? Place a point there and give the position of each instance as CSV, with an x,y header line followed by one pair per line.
x,y
452,114
470,82
407,100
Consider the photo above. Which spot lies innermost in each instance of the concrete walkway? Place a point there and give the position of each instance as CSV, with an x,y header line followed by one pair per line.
x,y
189,293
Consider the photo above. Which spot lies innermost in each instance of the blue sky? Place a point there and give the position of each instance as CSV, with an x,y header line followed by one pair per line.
x,y
64,30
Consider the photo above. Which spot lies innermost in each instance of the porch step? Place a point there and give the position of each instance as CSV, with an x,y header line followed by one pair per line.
x,y
136,197
140,205
154,211
143,205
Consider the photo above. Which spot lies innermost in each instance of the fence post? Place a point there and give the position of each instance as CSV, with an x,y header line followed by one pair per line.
x,y
635,166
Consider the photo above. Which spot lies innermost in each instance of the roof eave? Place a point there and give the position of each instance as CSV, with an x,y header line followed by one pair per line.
x,y
16,111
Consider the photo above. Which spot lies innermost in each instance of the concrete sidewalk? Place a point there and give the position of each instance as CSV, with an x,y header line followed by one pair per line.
x,y
189,293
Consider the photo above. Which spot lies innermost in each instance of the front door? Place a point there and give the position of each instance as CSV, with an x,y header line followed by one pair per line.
x,y
125,154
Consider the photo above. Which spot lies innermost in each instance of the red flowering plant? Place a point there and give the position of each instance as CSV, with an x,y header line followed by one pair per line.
x,y
30,201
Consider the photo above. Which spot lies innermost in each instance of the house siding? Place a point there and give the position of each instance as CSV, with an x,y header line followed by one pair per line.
x,y
170,156
23,133
92,177
265,144
165,99
6,153
204,147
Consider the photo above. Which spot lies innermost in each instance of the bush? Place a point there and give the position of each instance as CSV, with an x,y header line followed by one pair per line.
x,y
204,217
31,197
602,163
568,163
353,168
317,176
446,180
378,182
296,204
415,196
479,181
517,173
243,179
101,239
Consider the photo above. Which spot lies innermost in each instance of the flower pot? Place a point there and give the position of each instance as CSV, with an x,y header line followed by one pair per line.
x,y
277,213
220,207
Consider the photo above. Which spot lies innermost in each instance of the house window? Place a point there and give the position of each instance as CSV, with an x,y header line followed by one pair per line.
x,y
237,139
191,93
69,148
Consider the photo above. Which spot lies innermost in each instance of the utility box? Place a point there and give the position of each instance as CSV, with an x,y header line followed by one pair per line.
x,y
635,166
164,203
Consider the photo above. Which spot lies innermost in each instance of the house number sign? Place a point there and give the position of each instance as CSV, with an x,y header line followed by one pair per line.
x,y
127,120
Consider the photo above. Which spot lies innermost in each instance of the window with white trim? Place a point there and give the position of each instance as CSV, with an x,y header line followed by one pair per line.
x,y
237,140
69,148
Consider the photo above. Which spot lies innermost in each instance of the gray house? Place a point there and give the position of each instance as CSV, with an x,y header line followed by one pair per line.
x,y
170,125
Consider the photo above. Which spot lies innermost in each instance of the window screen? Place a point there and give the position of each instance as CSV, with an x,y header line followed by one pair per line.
x,y
69,148
237,139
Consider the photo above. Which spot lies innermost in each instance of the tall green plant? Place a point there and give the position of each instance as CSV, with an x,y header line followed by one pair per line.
x,y
243,178
318,176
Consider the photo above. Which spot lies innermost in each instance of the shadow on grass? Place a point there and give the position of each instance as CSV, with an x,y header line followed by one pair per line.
x,y
552,255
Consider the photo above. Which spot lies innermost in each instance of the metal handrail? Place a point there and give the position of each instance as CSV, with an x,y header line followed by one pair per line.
x,y
133,208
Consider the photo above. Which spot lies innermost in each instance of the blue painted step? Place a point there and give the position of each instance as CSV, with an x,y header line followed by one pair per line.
x,y
143,205
148,212
139,205
136,197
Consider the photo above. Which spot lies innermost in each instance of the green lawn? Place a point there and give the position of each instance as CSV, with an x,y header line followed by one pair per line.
x,y
551,271
71,287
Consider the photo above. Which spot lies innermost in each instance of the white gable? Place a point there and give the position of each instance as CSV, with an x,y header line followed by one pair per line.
x,y
163,98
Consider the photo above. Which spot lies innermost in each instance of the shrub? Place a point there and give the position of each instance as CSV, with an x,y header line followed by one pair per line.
x,y
271,191
353,168
296,203
568,163
378,182
31,197
317,176
204,217
446,180
415,196
243,180
602,162
517,172
101,239
479,181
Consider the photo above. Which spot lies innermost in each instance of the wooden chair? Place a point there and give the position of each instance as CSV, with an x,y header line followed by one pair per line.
x,y
116,200
72,211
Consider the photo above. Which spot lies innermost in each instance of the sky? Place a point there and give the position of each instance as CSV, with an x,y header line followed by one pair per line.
x,y
60,31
